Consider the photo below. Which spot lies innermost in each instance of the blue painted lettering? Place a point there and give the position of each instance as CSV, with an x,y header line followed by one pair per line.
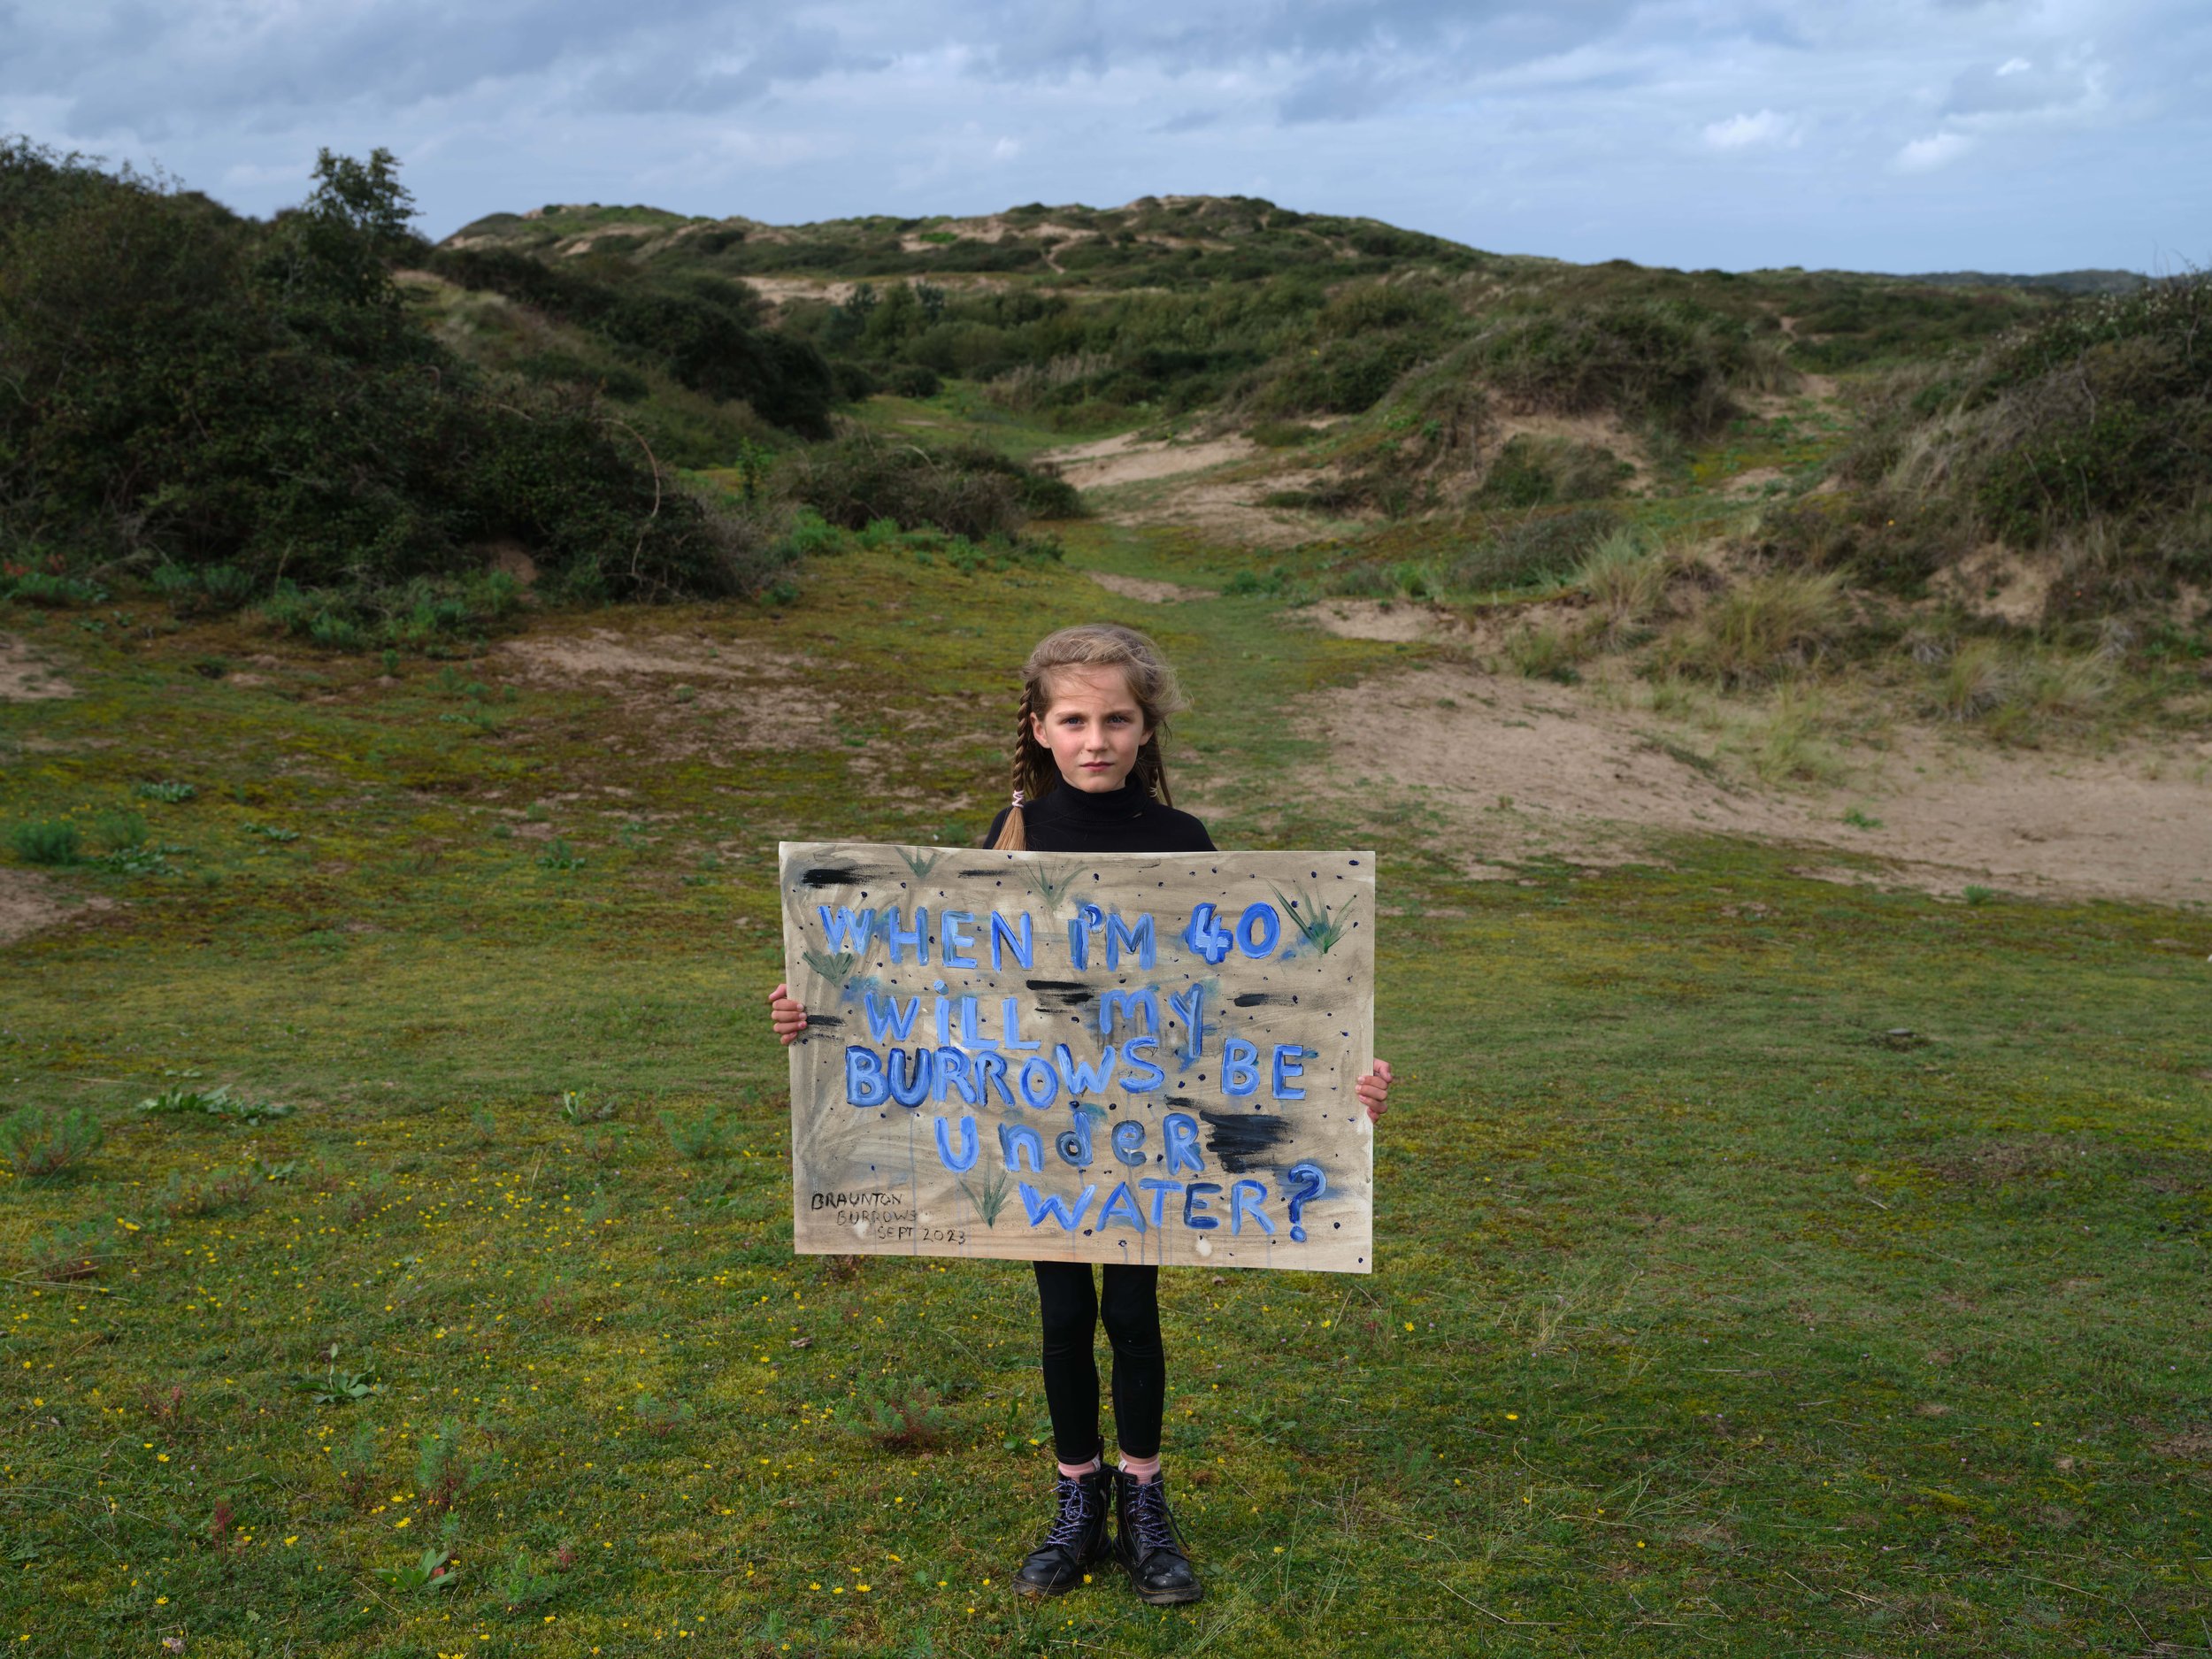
x,y
1128,1006
1258,929
907,1073
848,929
1011,1027
990,1073
952,940
915,939
961,1162
1240,1067
1179,1131
1003,939
886,1023
1159,1190
948,1069
1190,1008
1120,936
1119,1202
1087,920
863,1077
1244,1199
1195,1215
1128,1137
1290,1065
1042,1204
1144,1077
1039,1083
1015,1138
1081,1079
1075,1144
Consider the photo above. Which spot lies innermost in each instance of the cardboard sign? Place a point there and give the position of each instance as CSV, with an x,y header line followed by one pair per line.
x,y
1140,1057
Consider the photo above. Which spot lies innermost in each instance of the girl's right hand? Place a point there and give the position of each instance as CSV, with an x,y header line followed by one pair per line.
x,y
786,1015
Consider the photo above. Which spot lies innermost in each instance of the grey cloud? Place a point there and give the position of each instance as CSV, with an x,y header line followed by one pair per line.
x,y
146,68
1340,94
669,74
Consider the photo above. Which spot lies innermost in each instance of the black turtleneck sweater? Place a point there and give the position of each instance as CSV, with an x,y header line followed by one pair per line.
x,y
1124,820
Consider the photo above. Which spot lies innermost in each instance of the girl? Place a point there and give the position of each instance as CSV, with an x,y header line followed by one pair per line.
x,y
1089,778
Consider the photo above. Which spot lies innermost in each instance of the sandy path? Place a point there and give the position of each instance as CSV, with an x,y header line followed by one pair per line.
x,y
1519,768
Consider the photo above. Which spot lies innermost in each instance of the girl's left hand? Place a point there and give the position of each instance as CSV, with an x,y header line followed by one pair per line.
x,y
1374,1089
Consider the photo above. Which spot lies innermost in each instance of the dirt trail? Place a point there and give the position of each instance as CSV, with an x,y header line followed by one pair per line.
x,y
1520,768
1226,508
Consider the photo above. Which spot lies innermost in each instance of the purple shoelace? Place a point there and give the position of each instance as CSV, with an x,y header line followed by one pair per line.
x,y
1067,1528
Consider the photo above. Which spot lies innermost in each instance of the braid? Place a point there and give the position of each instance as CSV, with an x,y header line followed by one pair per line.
x,y
1013,835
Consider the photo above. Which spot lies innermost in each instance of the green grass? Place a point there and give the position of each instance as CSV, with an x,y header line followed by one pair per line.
x,y
1765,1267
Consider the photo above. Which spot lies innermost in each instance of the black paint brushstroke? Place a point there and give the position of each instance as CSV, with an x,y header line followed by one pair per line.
x,y
813,1020
830,876
1266,999
1062,993
1241,1138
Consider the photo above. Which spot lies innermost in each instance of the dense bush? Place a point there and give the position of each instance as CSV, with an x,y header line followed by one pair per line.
x,y
192,390
862,479
1675,365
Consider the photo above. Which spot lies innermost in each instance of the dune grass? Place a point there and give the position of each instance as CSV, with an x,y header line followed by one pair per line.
x,y
1766,1266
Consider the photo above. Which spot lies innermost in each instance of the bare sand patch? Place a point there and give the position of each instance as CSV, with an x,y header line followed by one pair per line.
x,y
1994,581
1226,513
27,677
1395,619
30,902
1150,593
1128,459
696,695
1519,768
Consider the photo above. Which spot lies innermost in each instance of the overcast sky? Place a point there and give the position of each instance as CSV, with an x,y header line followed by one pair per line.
x,y
1875,134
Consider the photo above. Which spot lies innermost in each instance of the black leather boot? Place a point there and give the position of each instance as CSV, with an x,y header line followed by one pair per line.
x,y
1077,1538
1149,1544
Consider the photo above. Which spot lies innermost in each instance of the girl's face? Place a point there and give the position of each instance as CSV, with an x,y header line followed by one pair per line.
x,y
1092,727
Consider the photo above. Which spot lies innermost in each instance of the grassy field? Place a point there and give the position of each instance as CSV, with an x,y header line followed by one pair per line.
x,y
1764,1266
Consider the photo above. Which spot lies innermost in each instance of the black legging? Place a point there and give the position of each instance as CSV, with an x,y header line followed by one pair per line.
x,y
1072,1308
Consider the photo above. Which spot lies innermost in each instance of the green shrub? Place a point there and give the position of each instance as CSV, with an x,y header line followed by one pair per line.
x,y
1544,651
46,841
1541,549
42,1141
50,588
1761,626
118,830
1625,579
708,1136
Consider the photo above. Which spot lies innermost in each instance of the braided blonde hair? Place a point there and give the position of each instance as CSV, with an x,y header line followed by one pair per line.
x,y
1093,645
